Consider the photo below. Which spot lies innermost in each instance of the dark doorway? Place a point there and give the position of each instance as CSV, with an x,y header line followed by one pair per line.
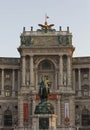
x,y
8,118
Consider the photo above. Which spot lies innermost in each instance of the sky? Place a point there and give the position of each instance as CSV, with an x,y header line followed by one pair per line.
x,y
16,14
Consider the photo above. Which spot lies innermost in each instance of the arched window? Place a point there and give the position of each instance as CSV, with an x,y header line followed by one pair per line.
x,y
46,65
8,118
46,68
85,117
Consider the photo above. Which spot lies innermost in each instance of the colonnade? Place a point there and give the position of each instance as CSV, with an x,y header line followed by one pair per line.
x,y
13,82
58,77
79,84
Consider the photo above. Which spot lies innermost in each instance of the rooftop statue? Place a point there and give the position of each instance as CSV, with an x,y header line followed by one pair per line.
x,y
46,26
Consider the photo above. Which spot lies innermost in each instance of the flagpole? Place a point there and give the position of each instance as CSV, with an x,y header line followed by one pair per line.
x,y
45,17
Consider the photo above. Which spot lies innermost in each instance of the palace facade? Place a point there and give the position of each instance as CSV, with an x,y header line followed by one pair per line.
x,y
45,52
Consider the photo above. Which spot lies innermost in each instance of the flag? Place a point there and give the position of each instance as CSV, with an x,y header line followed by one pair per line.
x,y
46,17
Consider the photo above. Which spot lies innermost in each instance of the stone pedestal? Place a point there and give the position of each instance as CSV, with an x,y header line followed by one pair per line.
x,y
44,122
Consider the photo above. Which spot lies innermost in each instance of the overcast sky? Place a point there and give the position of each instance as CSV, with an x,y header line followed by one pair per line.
x,y
15,14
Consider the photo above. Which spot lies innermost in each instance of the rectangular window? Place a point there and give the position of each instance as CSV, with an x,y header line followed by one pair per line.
x,y
85,120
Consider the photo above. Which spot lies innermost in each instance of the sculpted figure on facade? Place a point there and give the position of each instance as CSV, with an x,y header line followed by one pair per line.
x,y
44,88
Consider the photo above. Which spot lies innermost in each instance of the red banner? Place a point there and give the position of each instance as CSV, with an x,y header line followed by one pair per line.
x,y
52,96
66,112
25,108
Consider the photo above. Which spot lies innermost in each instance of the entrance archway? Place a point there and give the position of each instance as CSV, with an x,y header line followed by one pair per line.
x,y
8,118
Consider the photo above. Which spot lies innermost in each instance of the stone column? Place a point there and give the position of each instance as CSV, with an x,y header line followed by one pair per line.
x,y
58,111
23,71
89,81
33,106
18,80
72,110
31,71
60,79
69,71
56,80
36,80
30,112
13,83
73,79
79,81
2,92
20,111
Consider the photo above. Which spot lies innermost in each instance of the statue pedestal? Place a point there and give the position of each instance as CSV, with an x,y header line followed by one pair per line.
x,y
44,122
